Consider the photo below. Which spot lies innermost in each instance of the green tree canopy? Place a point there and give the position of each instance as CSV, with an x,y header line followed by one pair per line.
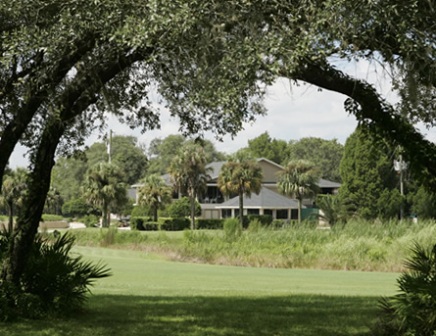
x,y
325,154
265,147
162,151
369,181
125,153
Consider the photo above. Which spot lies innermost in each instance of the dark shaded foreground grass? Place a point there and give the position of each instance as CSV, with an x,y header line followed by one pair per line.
x,y
303,315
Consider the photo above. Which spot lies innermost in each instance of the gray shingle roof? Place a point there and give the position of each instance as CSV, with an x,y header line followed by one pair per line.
x,y
267,199
322,183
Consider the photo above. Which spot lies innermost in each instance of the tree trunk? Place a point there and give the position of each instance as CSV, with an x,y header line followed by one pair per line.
x,y
33,205
11,217
299,210
74,102
241,209
155,214
104,215
192,200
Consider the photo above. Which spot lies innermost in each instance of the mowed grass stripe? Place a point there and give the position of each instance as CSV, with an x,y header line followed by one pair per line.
x,y
148,296
135,273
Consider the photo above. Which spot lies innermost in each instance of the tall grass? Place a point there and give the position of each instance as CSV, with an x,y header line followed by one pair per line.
x,y
359,245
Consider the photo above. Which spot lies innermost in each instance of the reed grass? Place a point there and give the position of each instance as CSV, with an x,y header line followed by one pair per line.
x,y
359,245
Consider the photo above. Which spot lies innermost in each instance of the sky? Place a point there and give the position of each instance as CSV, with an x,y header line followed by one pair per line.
x,y
293,112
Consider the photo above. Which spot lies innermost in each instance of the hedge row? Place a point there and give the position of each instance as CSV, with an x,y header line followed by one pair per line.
x,y
168,224
145,223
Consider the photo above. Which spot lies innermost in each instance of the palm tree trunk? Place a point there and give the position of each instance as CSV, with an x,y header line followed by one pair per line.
x,y
192,199
155,214
104,215
241,209
299,210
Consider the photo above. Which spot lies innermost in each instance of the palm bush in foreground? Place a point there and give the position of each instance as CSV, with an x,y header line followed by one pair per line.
x,y
412,311
53,281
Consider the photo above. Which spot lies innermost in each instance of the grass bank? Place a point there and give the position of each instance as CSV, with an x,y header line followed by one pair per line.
x,y
356,246
150,296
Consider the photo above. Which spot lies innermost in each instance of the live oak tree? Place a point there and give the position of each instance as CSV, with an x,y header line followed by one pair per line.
x,y
72,61
210,60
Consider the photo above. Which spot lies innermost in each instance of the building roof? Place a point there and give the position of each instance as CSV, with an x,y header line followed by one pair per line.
x,y
215,168
322,183
266,199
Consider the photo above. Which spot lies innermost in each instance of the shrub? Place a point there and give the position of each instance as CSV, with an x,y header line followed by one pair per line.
x,y
108,236
232,229
182,208
76,208
254,225
51,218
151,226
413,310
211,224
174,224
140,211
53,282
90,220
137,223
279,223
265,220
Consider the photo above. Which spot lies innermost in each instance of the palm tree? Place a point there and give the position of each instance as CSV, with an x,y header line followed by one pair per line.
x,y
53,201
12,192
299,179
189,173
154,193
240,177
330,208
103,188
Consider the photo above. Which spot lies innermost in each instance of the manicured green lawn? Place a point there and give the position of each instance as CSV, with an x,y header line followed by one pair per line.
x,y
149,296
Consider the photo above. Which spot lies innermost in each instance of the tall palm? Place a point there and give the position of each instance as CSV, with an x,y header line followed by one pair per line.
x,y
53,201
189,173
240,177
299,179
154,193
12,192
103,188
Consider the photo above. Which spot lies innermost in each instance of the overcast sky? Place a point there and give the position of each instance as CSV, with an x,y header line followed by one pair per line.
x,y
292,113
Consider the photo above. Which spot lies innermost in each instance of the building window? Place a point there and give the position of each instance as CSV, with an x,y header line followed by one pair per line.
x,y
294,213
226,213
268,212
252,211
282,214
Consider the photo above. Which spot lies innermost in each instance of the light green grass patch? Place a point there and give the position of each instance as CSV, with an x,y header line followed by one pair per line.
x,y
137,273
151,297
